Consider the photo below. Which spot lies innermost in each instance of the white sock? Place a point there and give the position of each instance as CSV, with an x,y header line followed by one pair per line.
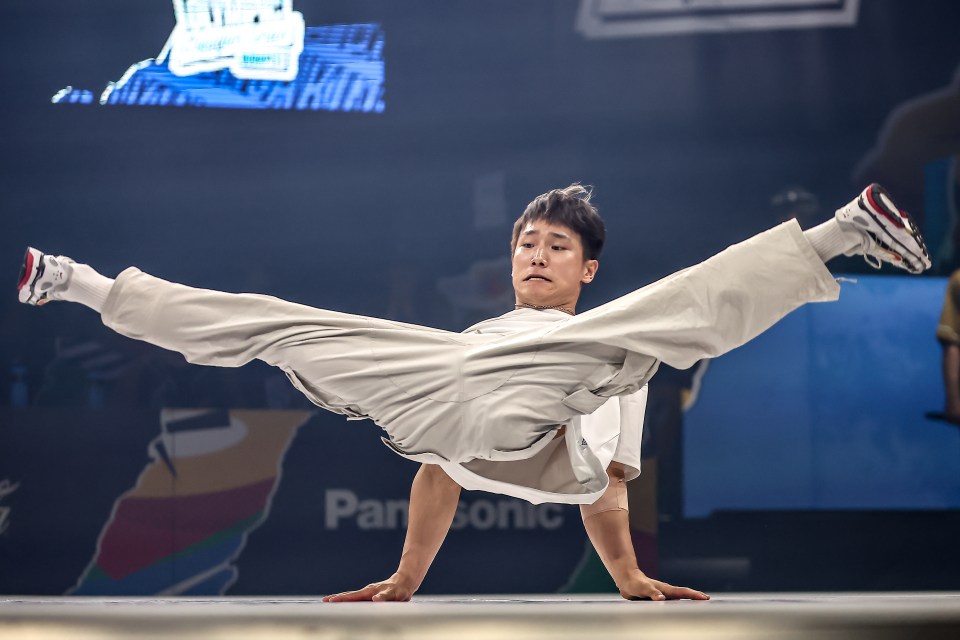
x,y
830,240
87,287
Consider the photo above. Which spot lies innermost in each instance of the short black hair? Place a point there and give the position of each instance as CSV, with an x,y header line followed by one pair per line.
x,y
571,208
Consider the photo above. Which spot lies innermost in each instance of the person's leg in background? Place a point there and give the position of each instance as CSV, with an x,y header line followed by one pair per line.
x,y
948,334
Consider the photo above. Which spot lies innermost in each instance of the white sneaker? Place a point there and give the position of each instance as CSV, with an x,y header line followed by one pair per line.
x,y
42,277
889,235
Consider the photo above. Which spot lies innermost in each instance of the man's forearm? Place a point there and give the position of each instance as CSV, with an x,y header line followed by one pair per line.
x,y
433,503
607,523
609,532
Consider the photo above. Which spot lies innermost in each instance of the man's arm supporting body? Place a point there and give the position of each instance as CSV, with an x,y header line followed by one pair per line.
x,y
433,503
608,527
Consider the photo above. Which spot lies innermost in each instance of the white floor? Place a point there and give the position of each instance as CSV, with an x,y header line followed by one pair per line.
x,y
912,615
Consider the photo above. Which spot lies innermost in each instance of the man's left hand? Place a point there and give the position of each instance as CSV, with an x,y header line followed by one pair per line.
x,y
640,587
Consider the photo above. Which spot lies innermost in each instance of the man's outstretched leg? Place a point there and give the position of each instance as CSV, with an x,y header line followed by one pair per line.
x,y
732,297
402,376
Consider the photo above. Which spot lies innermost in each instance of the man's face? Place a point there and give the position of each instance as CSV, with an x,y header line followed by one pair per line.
x,y
548,265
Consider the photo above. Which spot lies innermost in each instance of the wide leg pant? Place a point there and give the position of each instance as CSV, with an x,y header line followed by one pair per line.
x,y
466,396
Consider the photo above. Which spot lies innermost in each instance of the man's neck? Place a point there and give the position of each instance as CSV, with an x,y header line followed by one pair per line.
x,y
570,309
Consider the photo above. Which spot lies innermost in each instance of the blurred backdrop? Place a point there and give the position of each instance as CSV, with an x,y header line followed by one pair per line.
x,y
370,157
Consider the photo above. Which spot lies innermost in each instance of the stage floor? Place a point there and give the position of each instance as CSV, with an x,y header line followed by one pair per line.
x,y
583,617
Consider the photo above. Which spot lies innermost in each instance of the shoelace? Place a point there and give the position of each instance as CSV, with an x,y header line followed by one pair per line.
x,y
873,261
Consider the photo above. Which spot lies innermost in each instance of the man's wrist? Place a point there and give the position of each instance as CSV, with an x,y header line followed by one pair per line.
x,y
623,572
410,579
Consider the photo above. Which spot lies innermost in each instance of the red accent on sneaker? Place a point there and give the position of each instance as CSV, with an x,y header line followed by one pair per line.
x,y
27,270
897,220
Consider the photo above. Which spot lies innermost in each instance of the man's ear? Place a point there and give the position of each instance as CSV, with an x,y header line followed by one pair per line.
x,y
589,271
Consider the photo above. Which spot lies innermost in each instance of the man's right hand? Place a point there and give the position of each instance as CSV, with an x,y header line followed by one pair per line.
x,y
433,503
394,589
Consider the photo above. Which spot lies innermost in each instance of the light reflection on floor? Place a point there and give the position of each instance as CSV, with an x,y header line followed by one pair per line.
x,y
772,615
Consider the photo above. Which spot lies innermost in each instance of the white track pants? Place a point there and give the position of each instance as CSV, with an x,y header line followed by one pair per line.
x,y
465,396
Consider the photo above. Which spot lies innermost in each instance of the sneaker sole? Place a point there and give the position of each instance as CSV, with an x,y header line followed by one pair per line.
x,y
873,202
30,271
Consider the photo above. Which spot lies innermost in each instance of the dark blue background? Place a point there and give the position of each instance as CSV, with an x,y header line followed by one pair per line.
x,y
687,139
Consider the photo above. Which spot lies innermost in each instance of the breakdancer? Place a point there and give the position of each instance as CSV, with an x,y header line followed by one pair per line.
x,y
507,405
